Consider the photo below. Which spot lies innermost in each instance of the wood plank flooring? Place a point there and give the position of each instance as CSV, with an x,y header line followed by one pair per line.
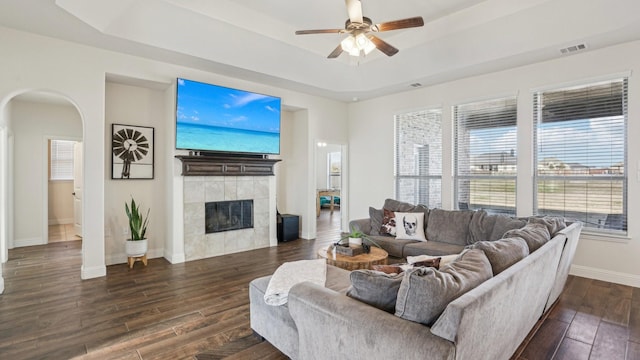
x,y
199,309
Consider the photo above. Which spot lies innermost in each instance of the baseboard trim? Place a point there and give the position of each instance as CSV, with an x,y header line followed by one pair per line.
x,y
93,272
605,275
60,221
175,258
28,242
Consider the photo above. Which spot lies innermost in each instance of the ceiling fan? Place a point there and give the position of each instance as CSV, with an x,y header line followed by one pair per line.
x,y
360,29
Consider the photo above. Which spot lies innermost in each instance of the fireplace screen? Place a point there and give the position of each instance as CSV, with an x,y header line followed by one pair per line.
x,y
228,215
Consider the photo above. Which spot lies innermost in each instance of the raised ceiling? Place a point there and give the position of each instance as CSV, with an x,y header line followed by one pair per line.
x,y
255,40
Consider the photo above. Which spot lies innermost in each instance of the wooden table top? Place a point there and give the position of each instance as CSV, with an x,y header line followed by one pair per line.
x,y
377,256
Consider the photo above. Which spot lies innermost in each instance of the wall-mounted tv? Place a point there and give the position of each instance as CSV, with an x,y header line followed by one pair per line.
x,y
212,118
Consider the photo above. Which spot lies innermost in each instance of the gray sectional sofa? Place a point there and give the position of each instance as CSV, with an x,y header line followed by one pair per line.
x,y
481,306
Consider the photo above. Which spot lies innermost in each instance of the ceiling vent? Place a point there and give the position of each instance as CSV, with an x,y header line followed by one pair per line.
x,y
573,48
416,85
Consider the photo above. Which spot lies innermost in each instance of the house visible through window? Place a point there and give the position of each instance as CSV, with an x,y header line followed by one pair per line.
x,y
418,157
485,155
61,161
580,153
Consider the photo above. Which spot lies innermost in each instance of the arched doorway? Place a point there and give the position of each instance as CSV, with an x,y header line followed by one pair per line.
x,y
30,120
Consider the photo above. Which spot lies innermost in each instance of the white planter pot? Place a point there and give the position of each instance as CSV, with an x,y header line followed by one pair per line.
x,y
136,248
355,241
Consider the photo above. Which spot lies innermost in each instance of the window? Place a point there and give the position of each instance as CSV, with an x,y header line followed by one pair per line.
x,y
418,157
580,140
61,162
485,155
334,170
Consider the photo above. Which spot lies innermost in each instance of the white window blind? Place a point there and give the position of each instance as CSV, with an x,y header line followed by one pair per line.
x,y
61,160
418,157
580,137
485,155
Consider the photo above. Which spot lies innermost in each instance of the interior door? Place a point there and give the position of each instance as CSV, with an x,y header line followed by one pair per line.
x,y
77,188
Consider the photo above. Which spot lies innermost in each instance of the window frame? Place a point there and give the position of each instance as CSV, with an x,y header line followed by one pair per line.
x,y
600,227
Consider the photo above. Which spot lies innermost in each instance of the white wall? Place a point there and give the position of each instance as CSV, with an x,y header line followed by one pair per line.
x,y
371,143
33,124
60,202
140,106
78,73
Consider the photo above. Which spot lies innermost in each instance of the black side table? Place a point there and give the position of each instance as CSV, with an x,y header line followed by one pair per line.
x,y
288,227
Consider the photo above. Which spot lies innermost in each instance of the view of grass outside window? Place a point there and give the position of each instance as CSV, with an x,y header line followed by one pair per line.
x,y
580,152
485,155
418,157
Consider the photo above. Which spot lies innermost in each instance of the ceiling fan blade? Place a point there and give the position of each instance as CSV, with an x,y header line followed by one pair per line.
x,y
320,31
401,24
354,9
383,46
335,53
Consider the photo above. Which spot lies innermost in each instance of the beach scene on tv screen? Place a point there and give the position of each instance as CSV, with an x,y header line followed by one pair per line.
x,y
216,118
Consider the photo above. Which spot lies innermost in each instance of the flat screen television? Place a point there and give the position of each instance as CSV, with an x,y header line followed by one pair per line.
x,y
218,119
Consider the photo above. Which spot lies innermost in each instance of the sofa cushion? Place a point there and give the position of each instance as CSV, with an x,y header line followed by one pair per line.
x,y
503,253
410,226
504,224
449,226
375,218
553,224
425,292
491,227
433,248
388,223
535,235
392,245
375,288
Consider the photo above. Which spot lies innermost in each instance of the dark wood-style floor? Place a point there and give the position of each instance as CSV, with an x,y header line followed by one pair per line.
x,y
199,309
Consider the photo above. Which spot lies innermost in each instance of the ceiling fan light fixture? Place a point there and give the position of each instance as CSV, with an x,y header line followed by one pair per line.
x,y
357,44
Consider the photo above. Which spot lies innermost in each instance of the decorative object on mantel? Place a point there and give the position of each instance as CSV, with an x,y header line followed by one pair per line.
x,y
227,165
136,247
131,152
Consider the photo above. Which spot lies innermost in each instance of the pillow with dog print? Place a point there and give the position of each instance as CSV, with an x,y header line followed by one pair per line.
x,y
388,223
410,226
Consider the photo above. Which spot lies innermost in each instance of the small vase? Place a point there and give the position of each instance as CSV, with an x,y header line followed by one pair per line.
x,y
355,241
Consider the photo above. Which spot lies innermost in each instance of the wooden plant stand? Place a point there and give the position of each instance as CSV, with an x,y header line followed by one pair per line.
x,y
132,259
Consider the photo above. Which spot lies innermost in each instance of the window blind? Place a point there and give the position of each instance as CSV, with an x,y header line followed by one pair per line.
x,y
61,160
580,153
418,157
485,155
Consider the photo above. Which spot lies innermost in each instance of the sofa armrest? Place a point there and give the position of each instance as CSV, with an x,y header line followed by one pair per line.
x,y
335,326
363,225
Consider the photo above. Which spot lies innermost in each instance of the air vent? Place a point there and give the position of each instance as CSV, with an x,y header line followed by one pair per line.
x,y
574,48
416,85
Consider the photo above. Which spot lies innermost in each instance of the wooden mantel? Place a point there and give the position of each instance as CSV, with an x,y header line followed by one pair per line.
x,y
221,165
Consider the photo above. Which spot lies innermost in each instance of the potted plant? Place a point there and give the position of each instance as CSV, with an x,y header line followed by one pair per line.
x,y
137,244
356,237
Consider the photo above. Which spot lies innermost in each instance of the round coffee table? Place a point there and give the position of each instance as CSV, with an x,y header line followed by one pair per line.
x,y
377,256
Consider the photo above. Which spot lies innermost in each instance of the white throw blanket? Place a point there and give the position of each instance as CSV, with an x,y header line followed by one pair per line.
x,y
291,273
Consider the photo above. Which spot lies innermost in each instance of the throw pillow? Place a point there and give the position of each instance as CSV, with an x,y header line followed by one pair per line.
x,y
504,224
425,292
375,219
388,269
375,288
388,223
535,235
434,263
503,253
410,226
553,224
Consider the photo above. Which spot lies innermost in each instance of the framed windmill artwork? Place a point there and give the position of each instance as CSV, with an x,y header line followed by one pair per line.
x,y
131,152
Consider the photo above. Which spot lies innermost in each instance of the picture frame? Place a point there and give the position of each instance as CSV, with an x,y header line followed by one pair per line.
x,y
132,152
